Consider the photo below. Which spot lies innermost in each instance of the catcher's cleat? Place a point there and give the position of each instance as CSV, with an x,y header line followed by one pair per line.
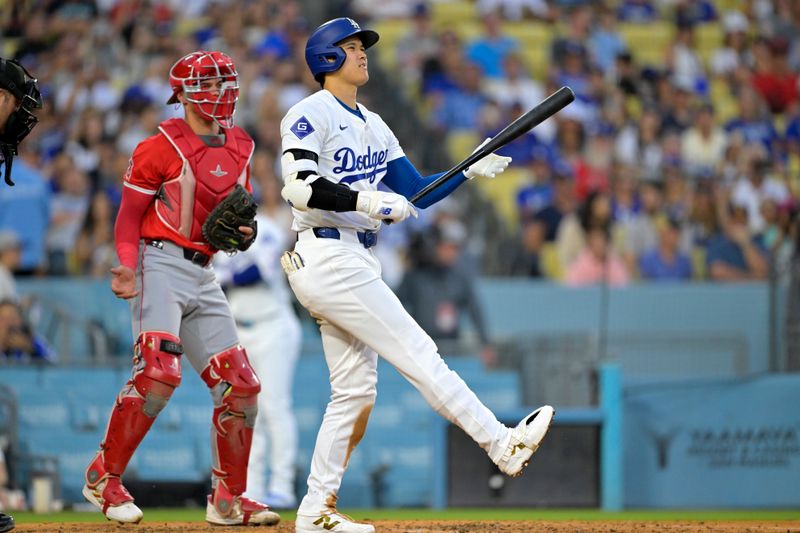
x,y
113,499
225,509
330,521
525,440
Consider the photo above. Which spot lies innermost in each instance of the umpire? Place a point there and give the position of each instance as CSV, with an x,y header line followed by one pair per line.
x,y
19,96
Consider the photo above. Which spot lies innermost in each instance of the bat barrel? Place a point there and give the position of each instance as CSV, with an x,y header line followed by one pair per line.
x,y
544,110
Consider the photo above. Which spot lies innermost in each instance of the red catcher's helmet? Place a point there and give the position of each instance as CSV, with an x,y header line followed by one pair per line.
x,y
188,75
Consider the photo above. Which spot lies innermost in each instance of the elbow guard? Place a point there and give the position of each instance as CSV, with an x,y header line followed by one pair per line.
x,y
297,193
297,190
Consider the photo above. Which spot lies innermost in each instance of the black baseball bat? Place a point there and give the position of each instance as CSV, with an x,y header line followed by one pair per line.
x,y
544,110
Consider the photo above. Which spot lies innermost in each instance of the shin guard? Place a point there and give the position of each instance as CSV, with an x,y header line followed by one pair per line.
x,y
234,388
156,373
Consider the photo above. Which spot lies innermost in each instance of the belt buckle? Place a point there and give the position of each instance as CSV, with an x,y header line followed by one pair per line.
x,y
199,258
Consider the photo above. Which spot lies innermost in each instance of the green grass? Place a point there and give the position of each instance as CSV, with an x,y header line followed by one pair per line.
x,y
197,515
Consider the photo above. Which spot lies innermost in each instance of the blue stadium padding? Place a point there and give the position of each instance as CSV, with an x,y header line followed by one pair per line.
x,y
611,442
168,456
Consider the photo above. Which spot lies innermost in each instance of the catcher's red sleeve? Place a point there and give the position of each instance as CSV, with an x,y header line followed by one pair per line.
x,y
127,229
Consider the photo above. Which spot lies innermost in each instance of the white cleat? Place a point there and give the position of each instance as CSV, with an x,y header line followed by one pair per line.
x,y
124,512
525,440
330,521
244,512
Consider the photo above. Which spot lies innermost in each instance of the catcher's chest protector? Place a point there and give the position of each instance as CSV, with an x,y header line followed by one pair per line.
x,y
208,175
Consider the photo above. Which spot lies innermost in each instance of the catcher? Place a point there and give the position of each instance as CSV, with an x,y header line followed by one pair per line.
x,y
185,196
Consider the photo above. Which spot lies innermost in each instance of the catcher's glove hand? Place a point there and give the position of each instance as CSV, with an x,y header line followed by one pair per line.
x,y
221,228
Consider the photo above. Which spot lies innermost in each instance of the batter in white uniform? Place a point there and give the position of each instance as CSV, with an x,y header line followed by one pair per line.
x,y
335,153
270,331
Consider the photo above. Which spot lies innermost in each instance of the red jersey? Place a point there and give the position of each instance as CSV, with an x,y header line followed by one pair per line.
x,y
154,170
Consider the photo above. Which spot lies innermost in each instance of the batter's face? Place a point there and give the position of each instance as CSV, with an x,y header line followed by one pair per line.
x,y
354,70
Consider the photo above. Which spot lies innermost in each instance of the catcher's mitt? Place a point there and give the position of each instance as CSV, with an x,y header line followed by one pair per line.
x,y
221,228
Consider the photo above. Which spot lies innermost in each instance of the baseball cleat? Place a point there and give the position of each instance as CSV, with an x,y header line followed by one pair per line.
x,y
525,440
243,512
330,521
113,500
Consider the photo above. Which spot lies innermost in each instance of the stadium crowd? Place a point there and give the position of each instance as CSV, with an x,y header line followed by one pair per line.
x,y
684,168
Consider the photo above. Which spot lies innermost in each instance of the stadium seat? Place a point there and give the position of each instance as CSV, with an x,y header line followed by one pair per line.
x,y
648,42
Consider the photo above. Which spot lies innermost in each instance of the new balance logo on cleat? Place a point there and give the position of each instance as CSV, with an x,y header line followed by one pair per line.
x,y
326,522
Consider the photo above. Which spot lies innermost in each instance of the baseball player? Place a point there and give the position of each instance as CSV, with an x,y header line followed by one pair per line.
x,y
269,329
174,181
19,97
335,153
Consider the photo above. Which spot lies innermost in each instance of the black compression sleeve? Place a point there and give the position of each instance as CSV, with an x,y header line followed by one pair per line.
x,y
331,196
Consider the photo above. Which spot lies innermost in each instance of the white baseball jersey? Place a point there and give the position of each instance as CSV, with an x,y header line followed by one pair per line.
x,y
352,151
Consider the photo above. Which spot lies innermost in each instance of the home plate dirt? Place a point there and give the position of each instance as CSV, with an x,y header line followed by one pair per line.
x,y
446,526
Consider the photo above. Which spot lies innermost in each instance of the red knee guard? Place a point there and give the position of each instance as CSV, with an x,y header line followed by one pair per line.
x,y
234,386
156,374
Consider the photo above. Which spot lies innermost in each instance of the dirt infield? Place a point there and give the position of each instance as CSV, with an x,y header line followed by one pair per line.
x,y
449,526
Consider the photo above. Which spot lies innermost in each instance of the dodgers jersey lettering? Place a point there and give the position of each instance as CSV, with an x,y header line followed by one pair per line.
x,y
351,150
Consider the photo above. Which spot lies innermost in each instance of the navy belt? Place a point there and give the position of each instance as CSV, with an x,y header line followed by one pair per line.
x,y
367,238
198,258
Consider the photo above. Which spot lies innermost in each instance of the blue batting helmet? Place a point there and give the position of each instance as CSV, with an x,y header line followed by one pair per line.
x,y
322,51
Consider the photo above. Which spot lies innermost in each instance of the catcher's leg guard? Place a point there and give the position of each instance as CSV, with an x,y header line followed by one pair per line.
x,y
234,388
156,374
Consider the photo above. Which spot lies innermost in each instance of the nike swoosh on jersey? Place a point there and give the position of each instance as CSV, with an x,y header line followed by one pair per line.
x,y
342,128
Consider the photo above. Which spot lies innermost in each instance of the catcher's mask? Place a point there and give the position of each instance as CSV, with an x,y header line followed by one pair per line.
x,y
22,85
196,75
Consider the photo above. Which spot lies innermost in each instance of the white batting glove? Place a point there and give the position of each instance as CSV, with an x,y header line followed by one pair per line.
x,y
488,167
385,206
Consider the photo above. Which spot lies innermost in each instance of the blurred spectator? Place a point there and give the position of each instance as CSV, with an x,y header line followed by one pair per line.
x,y
563,205
526,258
489,50
593,168
666,262
638,145
597,263
605,42
25,210
757,185
9,261
694,12
439,290
573,42
641,230
595,212
69,207
459,108
516,86
733,254
17,341
94,252
752,122
637,11
773,78
516,9
703,145
418,45
625,203
734,51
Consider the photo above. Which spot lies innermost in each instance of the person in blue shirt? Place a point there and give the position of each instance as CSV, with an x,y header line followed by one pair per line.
x,y
733,254
666,262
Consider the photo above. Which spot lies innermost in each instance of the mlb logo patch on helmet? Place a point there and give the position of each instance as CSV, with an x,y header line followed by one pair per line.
x,y
302,128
